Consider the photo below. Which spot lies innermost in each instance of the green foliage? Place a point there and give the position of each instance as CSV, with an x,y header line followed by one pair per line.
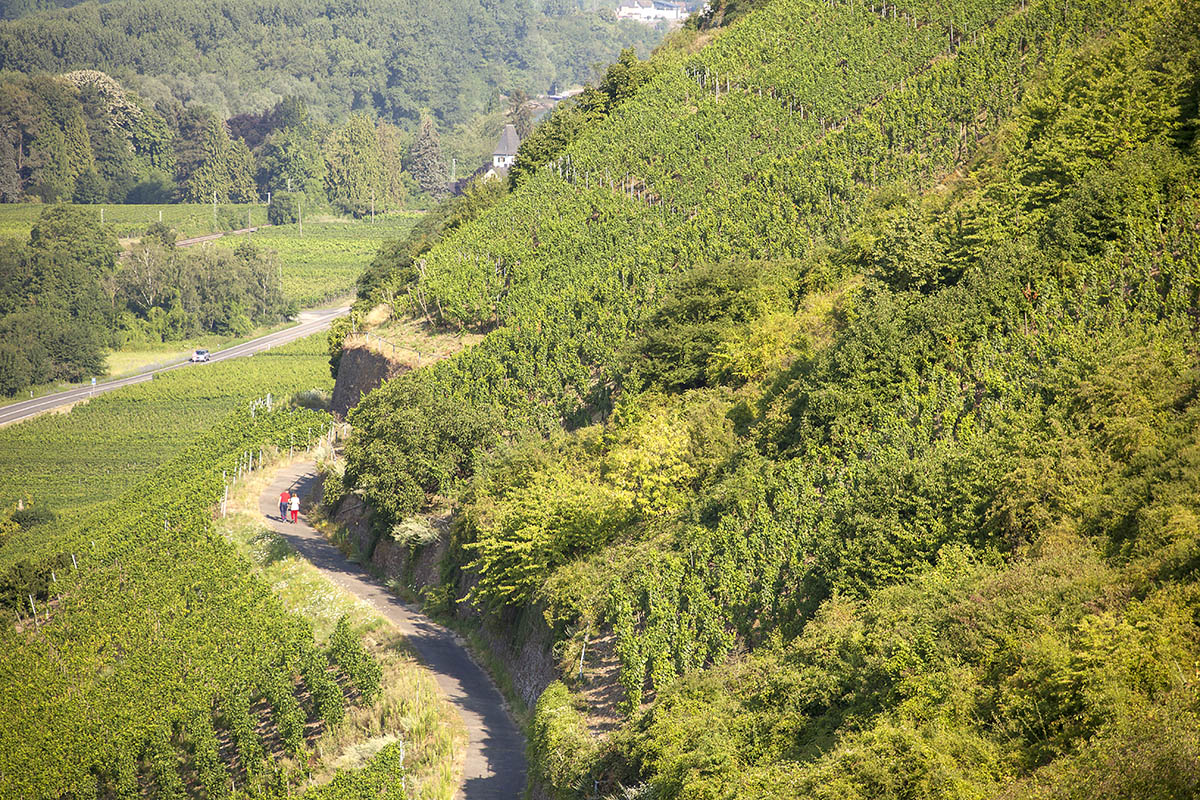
x,y
289,717
284,208
425,160
694,331
348,651
431,439
327,695
354,166
150,587
205,755
947,548
53,310
164,765
561,752
243,728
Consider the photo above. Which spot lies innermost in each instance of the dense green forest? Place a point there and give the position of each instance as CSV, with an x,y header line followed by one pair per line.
x,y
351,105
83,137
391,59
838,409
65,297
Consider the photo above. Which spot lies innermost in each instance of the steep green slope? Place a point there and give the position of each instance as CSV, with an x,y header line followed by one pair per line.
x,y
125,628
907,506
565,266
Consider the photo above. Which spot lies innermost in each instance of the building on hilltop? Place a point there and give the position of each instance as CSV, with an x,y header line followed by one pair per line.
x,y
506,149
651,12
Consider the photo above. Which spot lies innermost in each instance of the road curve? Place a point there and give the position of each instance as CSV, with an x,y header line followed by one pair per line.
x,y
308,322
494,763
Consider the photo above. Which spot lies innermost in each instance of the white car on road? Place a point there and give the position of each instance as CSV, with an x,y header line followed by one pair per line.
x,y
199,355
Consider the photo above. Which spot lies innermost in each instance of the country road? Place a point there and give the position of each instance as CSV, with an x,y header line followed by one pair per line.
x,y
209,237
308,322
494,762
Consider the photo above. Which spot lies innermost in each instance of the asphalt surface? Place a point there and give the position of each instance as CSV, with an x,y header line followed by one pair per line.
x,y
494,763
308,322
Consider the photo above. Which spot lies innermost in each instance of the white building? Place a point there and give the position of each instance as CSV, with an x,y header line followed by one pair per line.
x,y
651,12
506,149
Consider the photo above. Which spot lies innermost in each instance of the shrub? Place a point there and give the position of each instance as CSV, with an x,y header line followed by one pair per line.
x,y
284,208
561,752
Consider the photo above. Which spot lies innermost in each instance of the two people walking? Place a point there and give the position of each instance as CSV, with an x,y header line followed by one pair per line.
x,y
289,502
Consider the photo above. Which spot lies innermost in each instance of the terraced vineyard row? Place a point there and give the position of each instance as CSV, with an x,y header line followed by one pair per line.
x,y
710,158
99,449
130,633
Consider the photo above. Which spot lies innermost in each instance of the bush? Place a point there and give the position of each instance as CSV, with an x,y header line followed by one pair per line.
x,y
28,517
155,188
284,208
561,752
316,399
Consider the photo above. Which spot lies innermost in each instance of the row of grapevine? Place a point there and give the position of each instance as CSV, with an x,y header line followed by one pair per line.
x,y
105,446
348,651
155,625
739,175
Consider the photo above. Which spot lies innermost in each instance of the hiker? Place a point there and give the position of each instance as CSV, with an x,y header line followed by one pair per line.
x,y
284,497
294,505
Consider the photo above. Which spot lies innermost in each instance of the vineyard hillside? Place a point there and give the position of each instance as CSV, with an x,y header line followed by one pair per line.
x,y
134,633
834,426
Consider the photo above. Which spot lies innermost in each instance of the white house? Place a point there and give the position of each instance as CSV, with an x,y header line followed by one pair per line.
x,y
651,12
506,149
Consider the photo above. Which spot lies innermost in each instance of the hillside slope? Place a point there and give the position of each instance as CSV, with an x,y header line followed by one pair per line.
x,y
837,418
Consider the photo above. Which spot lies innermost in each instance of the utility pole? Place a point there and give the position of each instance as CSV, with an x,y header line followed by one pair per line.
x,y
372,206
214,212
300,213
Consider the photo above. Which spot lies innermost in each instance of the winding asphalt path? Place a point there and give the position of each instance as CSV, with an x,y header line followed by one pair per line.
x,y
494,766
308,322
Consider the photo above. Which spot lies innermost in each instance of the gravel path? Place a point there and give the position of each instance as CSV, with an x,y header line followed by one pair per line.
x,y
494,764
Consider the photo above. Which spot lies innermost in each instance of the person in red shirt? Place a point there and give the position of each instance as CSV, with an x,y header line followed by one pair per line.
x,y
284,497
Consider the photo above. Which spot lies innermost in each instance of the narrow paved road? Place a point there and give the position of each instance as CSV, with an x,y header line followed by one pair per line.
x,y
494,767
308,322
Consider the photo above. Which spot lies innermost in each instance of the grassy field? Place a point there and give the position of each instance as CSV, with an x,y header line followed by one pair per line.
x,y
320,265
190,219
327,260
99,448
